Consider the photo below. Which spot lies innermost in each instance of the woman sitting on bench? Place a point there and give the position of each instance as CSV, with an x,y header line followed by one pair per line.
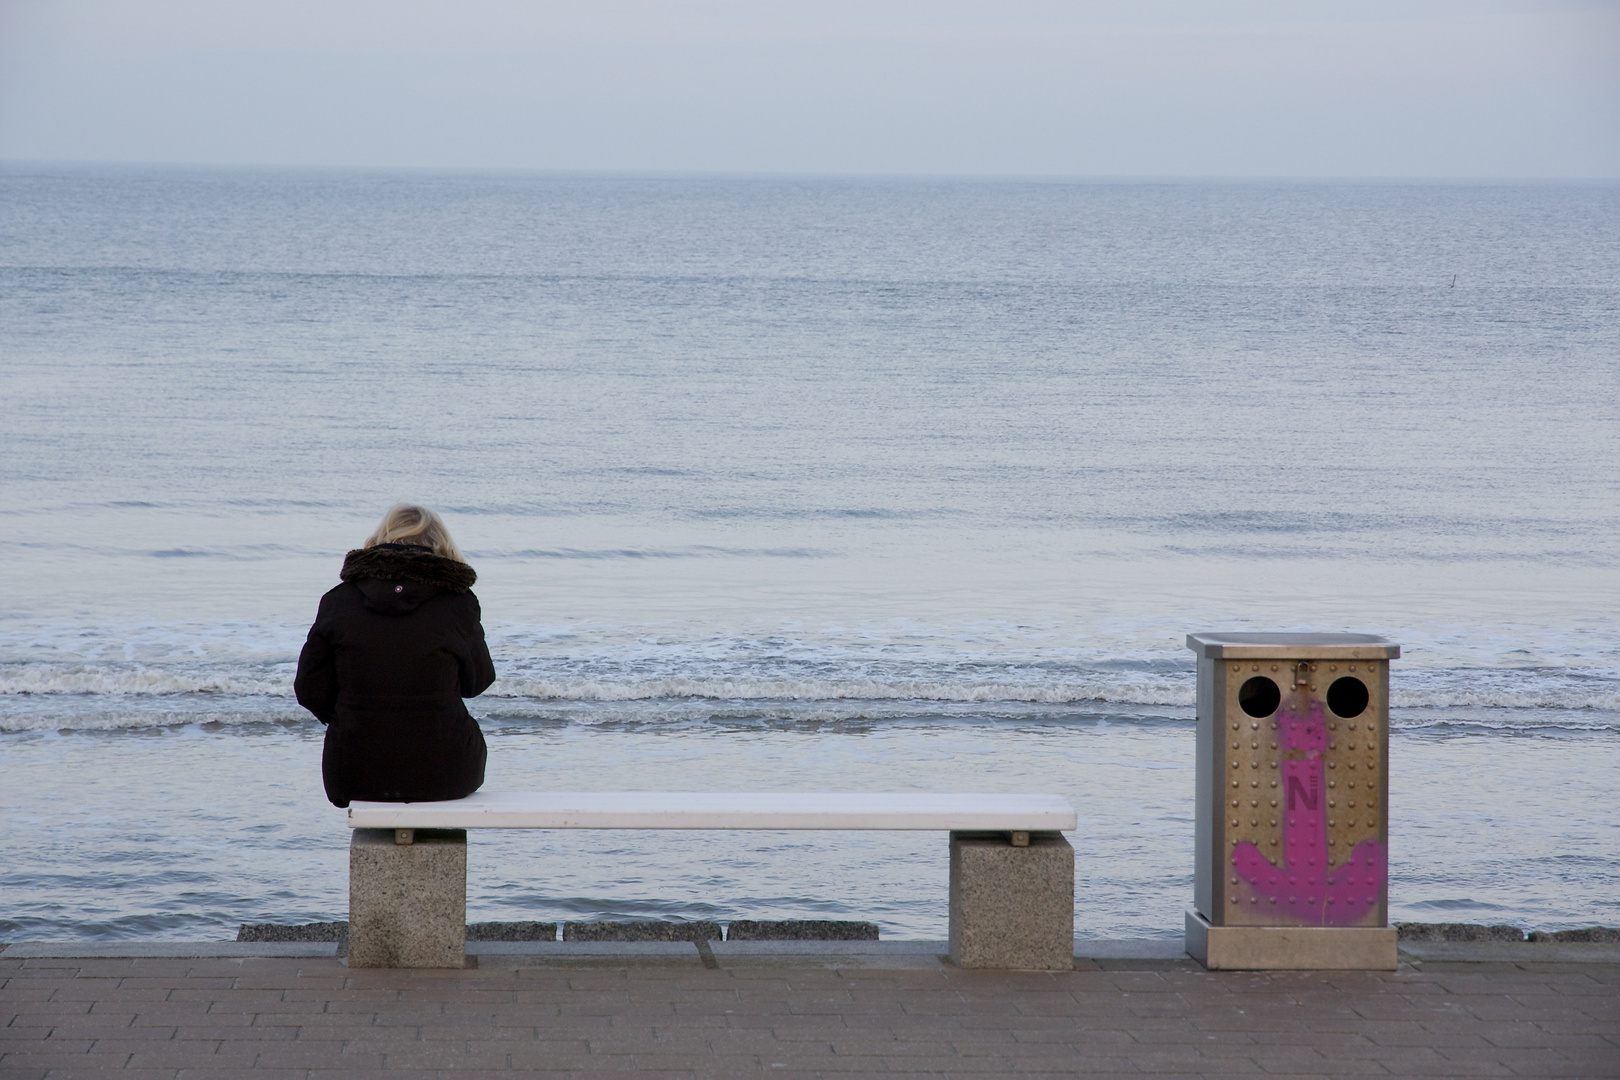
x,y
394,650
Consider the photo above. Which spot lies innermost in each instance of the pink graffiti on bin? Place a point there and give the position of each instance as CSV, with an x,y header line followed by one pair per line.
x,y
1303,889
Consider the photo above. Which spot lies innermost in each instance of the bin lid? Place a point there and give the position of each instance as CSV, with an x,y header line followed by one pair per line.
x,y
1293,646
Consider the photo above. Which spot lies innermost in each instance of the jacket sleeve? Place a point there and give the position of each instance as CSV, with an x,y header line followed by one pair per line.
x,y
477,669
316,683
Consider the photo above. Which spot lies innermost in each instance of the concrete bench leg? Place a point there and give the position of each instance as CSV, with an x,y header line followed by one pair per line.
x,y
1012,907
408,902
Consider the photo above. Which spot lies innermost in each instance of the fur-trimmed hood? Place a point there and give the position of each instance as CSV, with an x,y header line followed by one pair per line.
x,y
407,562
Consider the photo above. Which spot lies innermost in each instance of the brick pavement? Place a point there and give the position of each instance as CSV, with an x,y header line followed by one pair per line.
x,y
313,1017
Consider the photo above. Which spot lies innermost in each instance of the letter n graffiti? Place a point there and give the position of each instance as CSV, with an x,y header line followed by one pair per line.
x,y
1297,788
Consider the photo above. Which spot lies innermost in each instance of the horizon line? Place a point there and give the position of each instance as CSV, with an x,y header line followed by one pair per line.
x,y
9,164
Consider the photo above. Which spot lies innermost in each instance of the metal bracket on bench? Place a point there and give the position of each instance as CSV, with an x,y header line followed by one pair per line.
x,y
1019,838
408,836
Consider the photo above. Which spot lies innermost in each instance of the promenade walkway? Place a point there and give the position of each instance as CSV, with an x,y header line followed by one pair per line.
x,y
894,1009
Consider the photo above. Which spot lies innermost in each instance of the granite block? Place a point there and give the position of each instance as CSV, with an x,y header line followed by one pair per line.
x,y
512,931
649,930
800,930
1011,906
408,902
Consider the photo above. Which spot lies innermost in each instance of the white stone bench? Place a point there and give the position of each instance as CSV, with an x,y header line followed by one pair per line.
x,y
1011,885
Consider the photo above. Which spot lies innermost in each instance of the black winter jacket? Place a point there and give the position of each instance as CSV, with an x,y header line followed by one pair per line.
x,y
393,651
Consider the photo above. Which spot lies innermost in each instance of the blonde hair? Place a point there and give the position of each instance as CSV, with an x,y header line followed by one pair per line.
x,y
419,526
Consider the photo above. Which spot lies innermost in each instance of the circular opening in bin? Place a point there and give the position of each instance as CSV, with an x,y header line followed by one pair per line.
x,y
1259,696
1347,697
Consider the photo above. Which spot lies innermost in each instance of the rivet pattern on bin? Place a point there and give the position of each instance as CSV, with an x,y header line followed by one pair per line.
x,y
1343,832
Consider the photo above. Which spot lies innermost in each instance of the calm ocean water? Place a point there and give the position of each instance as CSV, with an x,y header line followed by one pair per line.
x,y
800,484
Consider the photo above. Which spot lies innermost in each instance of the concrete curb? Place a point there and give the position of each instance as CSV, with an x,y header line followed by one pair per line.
x,y
168,950
1510,952
812,953
597,953
867,954
1130,949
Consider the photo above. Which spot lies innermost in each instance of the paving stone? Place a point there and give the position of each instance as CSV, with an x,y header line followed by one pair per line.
x,y
167,1014
96,1020
41,1011
75,1072
238,1029
180,1056
314,1055
531,1057
47,1059
435,1057
488,1074
1585,1063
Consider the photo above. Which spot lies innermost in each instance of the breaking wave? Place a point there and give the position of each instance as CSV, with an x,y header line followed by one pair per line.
x,y
136,681
111,695
734,689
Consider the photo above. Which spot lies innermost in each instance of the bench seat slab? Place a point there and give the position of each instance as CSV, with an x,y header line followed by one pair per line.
x,y
723,810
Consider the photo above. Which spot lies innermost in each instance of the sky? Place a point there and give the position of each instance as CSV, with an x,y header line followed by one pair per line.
x,y
1250,88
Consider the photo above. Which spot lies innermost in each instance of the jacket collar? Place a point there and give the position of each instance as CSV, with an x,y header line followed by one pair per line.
x,y
407,562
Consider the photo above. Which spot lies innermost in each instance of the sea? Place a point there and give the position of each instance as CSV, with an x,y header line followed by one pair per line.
x,y
795,484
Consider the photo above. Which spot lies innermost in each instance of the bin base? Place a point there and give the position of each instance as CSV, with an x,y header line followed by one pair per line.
x,y
1290,948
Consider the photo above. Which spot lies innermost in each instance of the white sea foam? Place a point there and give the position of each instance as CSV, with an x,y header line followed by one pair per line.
x,y
145,681
734,689
106,696
136,680
1529,698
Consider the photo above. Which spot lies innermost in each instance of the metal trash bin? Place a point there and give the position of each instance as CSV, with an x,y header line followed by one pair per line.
x,y
1292,860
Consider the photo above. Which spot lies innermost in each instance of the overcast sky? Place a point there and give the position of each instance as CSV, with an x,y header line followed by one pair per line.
x,y
1418,88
